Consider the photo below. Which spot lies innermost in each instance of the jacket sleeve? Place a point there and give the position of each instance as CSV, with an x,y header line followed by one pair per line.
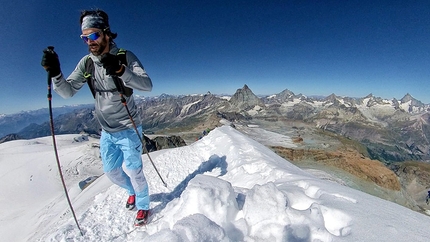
x,y
134,75
68,88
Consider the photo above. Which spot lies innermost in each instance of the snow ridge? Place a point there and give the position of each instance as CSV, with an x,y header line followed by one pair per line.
x,y
224,187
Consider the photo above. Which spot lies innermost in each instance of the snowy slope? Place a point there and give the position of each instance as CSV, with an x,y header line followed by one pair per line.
x,y
224,187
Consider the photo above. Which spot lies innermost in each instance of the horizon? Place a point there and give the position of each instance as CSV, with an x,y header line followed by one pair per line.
x,y
350,48
217,94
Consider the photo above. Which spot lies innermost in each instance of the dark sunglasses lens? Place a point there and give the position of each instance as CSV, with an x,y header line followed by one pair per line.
x,y
94,36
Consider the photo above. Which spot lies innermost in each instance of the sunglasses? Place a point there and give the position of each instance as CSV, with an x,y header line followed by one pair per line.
x,y
92,36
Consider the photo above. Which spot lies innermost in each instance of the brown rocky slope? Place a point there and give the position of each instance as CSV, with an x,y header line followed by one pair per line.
x,y
348,160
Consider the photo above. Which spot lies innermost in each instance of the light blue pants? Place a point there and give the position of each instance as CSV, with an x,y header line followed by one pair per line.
x,y
125,146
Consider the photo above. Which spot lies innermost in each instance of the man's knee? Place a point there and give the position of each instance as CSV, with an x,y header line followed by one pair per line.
x,y
116,175
138,178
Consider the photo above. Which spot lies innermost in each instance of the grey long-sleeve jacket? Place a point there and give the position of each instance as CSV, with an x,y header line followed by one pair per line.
x,y
109,109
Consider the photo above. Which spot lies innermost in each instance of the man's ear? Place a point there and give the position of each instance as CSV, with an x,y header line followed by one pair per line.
x,y
107,36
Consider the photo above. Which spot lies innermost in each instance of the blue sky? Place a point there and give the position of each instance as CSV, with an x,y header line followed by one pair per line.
x,y
350,48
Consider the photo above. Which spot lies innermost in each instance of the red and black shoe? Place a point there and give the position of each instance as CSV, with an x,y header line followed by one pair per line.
x,y
131,201
141,217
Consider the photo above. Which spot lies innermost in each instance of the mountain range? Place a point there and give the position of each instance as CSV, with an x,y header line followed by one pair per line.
x,y
391,130
351,134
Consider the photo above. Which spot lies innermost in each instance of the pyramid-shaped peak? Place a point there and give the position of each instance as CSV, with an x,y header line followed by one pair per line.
x,y
286,95
245,89
286,91
408,97
414,102
245,98
331,97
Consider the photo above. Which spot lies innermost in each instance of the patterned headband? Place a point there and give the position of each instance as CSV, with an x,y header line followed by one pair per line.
x,y
93,21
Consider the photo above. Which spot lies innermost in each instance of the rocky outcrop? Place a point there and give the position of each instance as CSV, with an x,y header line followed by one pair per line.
x,y
10,137
233,116
415,178
163,142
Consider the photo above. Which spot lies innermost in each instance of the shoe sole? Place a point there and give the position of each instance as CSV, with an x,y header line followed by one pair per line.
x,y
143,221
140,224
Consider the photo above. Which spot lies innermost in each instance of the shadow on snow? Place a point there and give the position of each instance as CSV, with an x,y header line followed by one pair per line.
x,y
207,166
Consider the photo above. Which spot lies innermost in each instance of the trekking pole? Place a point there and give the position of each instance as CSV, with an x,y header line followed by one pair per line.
x,y
51,49
124,102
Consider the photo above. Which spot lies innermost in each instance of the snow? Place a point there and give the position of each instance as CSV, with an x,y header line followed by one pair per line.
x,y
185,109
224,187
225,97
291,103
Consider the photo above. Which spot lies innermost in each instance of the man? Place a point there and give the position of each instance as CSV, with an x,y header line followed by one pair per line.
x,y
119,143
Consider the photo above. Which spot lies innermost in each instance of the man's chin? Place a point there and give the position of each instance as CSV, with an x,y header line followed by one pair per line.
x,y
95,51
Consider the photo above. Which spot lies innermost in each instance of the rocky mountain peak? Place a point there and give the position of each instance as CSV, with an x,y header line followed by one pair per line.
x,y
414,103
369,96
286,95
245,99
372,101
406,98
332,100
332,97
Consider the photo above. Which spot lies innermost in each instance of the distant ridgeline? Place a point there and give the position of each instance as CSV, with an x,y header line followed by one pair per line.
x,y
392,130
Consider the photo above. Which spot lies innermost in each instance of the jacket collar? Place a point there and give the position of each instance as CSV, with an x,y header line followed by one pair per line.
x,y
113,49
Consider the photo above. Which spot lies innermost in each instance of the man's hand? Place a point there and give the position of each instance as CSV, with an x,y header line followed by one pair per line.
x,y
50,62
112,65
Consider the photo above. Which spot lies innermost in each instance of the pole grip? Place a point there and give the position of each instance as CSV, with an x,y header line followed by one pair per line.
x,y
51,50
